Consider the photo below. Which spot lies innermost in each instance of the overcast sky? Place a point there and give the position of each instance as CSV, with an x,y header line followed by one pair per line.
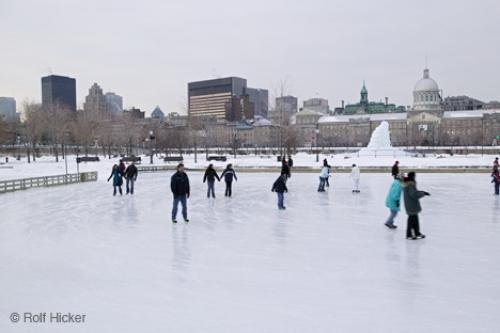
x,y
148,50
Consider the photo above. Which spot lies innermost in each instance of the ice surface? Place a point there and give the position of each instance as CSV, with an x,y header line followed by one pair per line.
x,y
326,264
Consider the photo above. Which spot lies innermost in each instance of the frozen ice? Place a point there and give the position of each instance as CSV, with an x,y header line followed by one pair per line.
x,y
326,264
380,142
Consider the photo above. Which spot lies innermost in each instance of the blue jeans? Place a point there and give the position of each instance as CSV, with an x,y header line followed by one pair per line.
x,y
390,220
281,199
322,182
183,200
497,188
211,188
130,185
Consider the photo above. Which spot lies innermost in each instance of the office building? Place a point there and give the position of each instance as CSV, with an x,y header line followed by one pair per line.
x,y
59,90
8,109
114,103
260,101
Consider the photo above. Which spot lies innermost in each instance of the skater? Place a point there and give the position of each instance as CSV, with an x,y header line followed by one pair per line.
x,y
412,205
285,168
130,177
290,161
325,163
393,202
496,181
355,176
323,177
209,177
395,169
228,175
179,184
495,166
122,168
117,179
280,188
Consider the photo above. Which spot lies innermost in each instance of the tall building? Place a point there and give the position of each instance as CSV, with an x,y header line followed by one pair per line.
x,y
59,90
455,103
158,114
214,98
134,113
114,103
8,108
260,101
317,104
287,104
95,101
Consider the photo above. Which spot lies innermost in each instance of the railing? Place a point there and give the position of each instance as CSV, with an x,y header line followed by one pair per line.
x,y
156,168
47,181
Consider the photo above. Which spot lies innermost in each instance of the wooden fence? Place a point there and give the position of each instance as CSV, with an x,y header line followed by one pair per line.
x,y
47,181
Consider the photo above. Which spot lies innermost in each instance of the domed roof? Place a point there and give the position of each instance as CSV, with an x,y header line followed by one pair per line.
x,y
426,83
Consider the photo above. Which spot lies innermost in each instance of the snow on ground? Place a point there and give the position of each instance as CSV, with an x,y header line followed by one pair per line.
x,y
47,165
326,264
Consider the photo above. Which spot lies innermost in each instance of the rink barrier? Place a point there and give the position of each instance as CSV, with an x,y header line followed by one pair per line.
x,y
46,181
346,169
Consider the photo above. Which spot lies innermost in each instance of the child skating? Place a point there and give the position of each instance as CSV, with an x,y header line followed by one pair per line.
x,y
280,188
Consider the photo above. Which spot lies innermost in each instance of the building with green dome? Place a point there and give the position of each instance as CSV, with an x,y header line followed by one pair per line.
x,y
366,107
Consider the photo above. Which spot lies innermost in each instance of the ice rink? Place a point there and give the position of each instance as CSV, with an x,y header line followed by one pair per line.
x,y
326,264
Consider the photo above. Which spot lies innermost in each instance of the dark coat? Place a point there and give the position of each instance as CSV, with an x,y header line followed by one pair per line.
x,y
122,168
210,174
117,177
279,185
179,184
412,198
228,175
290,162
395,170
131,172
285,170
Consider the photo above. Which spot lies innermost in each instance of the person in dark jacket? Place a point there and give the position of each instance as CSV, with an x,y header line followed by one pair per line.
x,y
412,205
130,177
285,168
122,168
228,174
290,161
395,170
117,179
209,177
179,184
495,166
496,181
280,188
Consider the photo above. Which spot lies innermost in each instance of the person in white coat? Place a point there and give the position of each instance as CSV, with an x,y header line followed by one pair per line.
x,y
355,176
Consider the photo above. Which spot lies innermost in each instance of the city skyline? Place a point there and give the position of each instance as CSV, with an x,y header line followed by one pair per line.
x,y
328,53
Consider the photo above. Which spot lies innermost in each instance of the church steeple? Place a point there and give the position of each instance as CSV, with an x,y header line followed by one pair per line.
x,y
364,95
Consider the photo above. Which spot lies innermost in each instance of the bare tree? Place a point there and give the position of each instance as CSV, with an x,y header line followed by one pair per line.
x,y
33,127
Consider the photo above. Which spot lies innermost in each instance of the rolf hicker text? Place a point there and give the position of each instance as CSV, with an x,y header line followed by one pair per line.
x,y
53,317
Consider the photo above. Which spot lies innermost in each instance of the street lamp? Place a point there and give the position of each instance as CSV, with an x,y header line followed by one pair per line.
x,y
150,139
317,151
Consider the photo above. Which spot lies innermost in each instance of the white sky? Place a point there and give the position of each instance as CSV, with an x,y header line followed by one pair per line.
x,y
148,50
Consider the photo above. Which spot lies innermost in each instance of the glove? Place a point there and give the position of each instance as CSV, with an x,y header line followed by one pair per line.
x,y
397,203
427,193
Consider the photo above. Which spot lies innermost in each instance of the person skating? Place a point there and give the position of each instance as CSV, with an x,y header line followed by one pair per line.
x,y
228,174
323,177
393,202
285,168
325,163
117,179
209,177
412,206
395,169
179,184
280,188
355,176
495,166
496,181
130,177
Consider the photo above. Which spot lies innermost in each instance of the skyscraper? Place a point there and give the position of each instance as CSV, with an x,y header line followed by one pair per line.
x,y
287,104
59,90
214,98
7,108
115,103
260,100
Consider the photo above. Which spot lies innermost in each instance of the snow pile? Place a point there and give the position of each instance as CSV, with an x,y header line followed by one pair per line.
x,y
380,143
